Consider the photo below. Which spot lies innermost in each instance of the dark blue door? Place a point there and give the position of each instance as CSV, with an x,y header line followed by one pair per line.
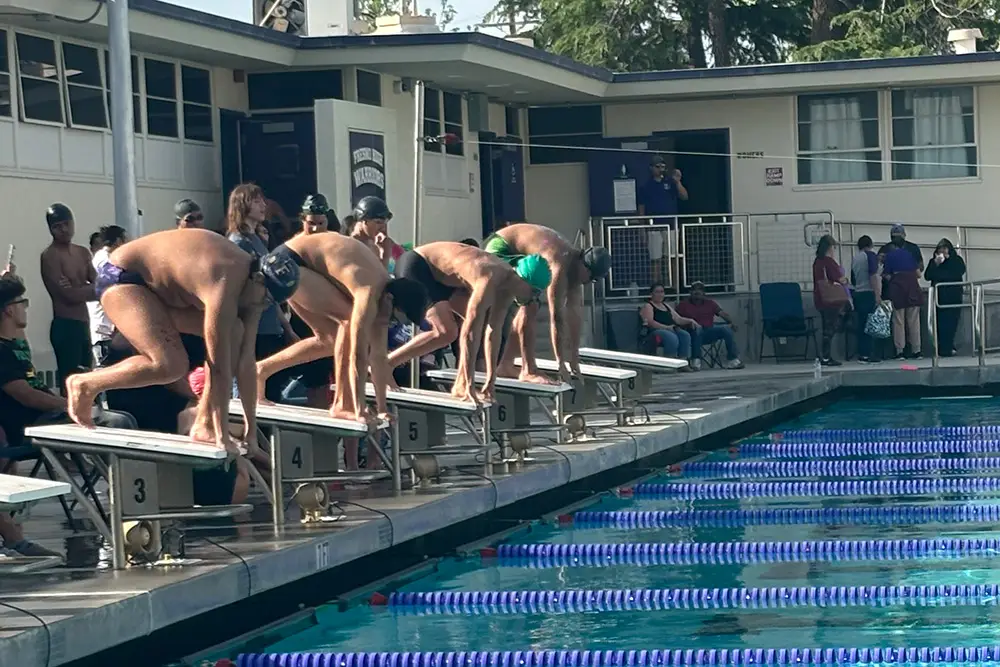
x,y
511,171
278,153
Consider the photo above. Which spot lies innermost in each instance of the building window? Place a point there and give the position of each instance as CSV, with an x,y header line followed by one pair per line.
x,y
136,102
161,98
294,90
454,122
838,138
5,88
196,90
934,133
512,121
552,128
84,86
38,70
369,88
432,119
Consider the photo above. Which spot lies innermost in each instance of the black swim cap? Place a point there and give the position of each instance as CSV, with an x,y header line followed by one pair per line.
x,y
598,262
315,205
281,274
58,213
372,208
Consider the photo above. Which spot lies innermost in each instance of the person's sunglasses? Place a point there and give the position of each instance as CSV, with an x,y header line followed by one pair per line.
x,y
198,217
660,165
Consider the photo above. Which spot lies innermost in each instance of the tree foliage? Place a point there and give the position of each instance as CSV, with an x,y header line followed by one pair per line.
x,y
635,35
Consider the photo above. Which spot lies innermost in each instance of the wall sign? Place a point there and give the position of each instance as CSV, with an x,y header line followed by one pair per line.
x,y
367,166
750,155
774,176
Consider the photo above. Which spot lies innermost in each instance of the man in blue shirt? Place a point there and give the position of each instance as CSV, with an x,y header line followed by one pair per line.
x,y
659,196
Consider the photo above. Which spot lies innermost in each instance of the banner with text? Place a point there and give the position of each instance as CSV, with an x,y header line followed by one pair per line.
x,y
367,166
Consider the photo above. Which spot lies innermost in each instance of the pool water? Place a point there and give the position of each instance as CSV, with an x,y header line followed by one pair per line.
x,y
929,622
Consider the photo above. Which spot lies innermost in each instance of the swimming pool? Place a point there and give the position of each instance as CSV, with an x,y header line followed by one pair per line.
x,y
744,557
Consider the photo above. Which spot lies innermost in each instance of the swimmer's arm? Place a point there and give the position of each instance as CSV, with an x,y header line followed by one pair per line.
x,y
574,323
220,317
246,371
91,269
472,327
491,343
556,294
378,361
52,276
362,317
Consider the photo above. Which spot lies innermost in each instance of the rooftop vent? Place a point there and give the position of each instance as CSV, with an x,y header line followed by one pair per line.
x,y
964,41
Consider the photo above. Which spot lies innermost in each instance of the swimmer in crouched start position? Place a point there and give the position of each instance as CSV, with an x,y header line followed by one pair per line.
x,y
186,281
477,287
347,298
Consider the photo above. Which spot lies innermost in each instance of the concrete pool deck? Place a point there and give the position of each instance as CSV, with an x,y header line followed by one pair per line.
x,y
87,608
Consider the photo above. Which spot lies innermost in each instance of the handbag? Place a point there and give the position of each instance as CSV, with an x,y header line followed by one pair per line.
x,y
833,294
879,324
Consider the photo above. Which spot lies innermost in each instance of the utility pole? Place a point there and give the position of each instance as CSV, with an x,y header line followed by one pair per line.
x,y
122,128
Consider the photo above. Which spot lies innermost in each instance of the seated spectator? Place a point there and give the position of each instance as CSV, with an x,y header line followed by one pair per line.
x,y
11,534
663,327
704,311
24,398
171,409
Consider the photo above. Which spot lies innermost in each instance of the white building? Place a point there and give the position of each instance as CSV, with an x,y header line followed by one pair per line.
x,y
219,101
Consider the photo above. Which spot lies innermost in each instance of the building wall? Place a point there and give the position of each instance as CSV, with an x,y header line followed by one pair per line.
x,y
44,162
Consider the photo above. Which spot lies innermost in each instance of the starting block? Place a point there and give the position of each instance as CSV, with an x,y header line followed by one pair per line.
x,y
421,427
304,451
149,475
512,411
15,493
587,388
644,365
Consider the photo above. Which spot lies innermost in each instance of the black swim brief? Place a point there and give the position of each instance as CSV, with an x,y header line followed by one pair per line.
x,y
109,275
413,266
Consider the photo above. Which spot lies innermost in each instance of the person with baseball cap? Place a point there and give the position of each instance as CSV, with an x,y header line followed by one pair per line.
x,y
192,281
188,215
572,268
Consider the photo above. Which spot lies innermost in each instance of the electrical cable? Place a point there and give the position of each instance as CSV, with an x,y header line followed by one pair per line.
x,y
45,627
569,463
615,429
392,527
246,566
496,491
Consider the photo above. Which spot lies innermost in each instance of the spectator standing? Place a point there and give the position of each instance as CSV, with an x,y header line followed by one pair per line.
x,y
246,210
947,267
188,215
95,242
659,196
101,328
867,295
704,311
69,277
830,295
904,269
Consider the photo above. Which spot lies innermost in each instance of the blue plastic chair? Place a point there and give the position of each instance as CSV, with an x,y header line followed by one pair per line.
x,y
784,317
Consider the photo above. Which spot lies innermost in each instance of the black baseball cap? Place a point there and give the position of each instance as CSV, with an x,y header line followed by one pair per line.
x,y
186,207
657,160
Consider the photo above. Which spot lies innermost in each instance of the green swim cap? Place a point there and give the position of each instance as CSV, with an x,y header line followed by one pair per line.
x,y
535,271
497,246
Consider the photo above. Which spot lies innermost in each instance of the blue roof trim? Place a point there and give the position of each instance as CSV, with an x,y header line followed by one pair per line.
x,y
167,10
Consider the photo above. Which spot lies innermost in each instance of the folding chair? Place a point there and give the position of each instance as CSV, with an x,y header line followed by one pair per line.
x,y
784,317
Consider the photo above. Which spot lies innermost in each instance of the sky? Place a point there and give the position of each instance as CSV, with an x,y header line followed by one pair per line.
x,y
468,12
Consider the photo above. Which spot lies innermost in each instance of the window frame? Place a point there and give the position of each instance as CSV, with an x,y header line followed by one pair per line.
x,y
554,142
58,81
893,148
370,101
879,149
184,104
452,126
138,89
178,111
7,49
432,122
66,84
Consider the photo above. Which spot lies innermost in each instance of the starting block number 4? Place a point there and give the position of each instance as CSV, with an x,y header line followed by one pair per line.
x,y
296,454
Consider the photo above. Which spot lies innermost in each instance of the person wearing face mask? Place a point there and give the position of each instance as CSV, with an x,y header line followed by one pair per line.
x,y
947,267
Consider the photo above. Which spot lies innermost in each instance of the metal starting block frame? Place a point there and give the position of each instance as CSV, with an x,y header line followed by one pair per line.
x,y
591,385
645,365
149,476
304,449
420,423
17,492
512,411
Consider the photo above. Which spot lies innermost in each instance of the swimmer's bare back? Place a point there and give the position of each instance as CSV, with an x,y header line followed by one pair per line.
x,y
180,266
346,261
529,239
459,265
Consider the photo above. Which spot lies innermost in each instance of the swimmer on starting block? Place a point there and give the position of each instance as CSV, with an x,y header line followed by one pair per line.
x,y
346,297
572,268
466,282
186,281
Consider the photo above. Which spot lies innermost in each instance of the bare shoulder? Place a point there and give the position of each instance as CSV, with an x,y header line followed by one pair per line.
x,y
80,252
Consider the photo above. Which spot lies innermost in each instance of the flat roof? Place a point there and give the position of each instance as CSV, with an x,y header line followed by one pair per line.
x,y
502,69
